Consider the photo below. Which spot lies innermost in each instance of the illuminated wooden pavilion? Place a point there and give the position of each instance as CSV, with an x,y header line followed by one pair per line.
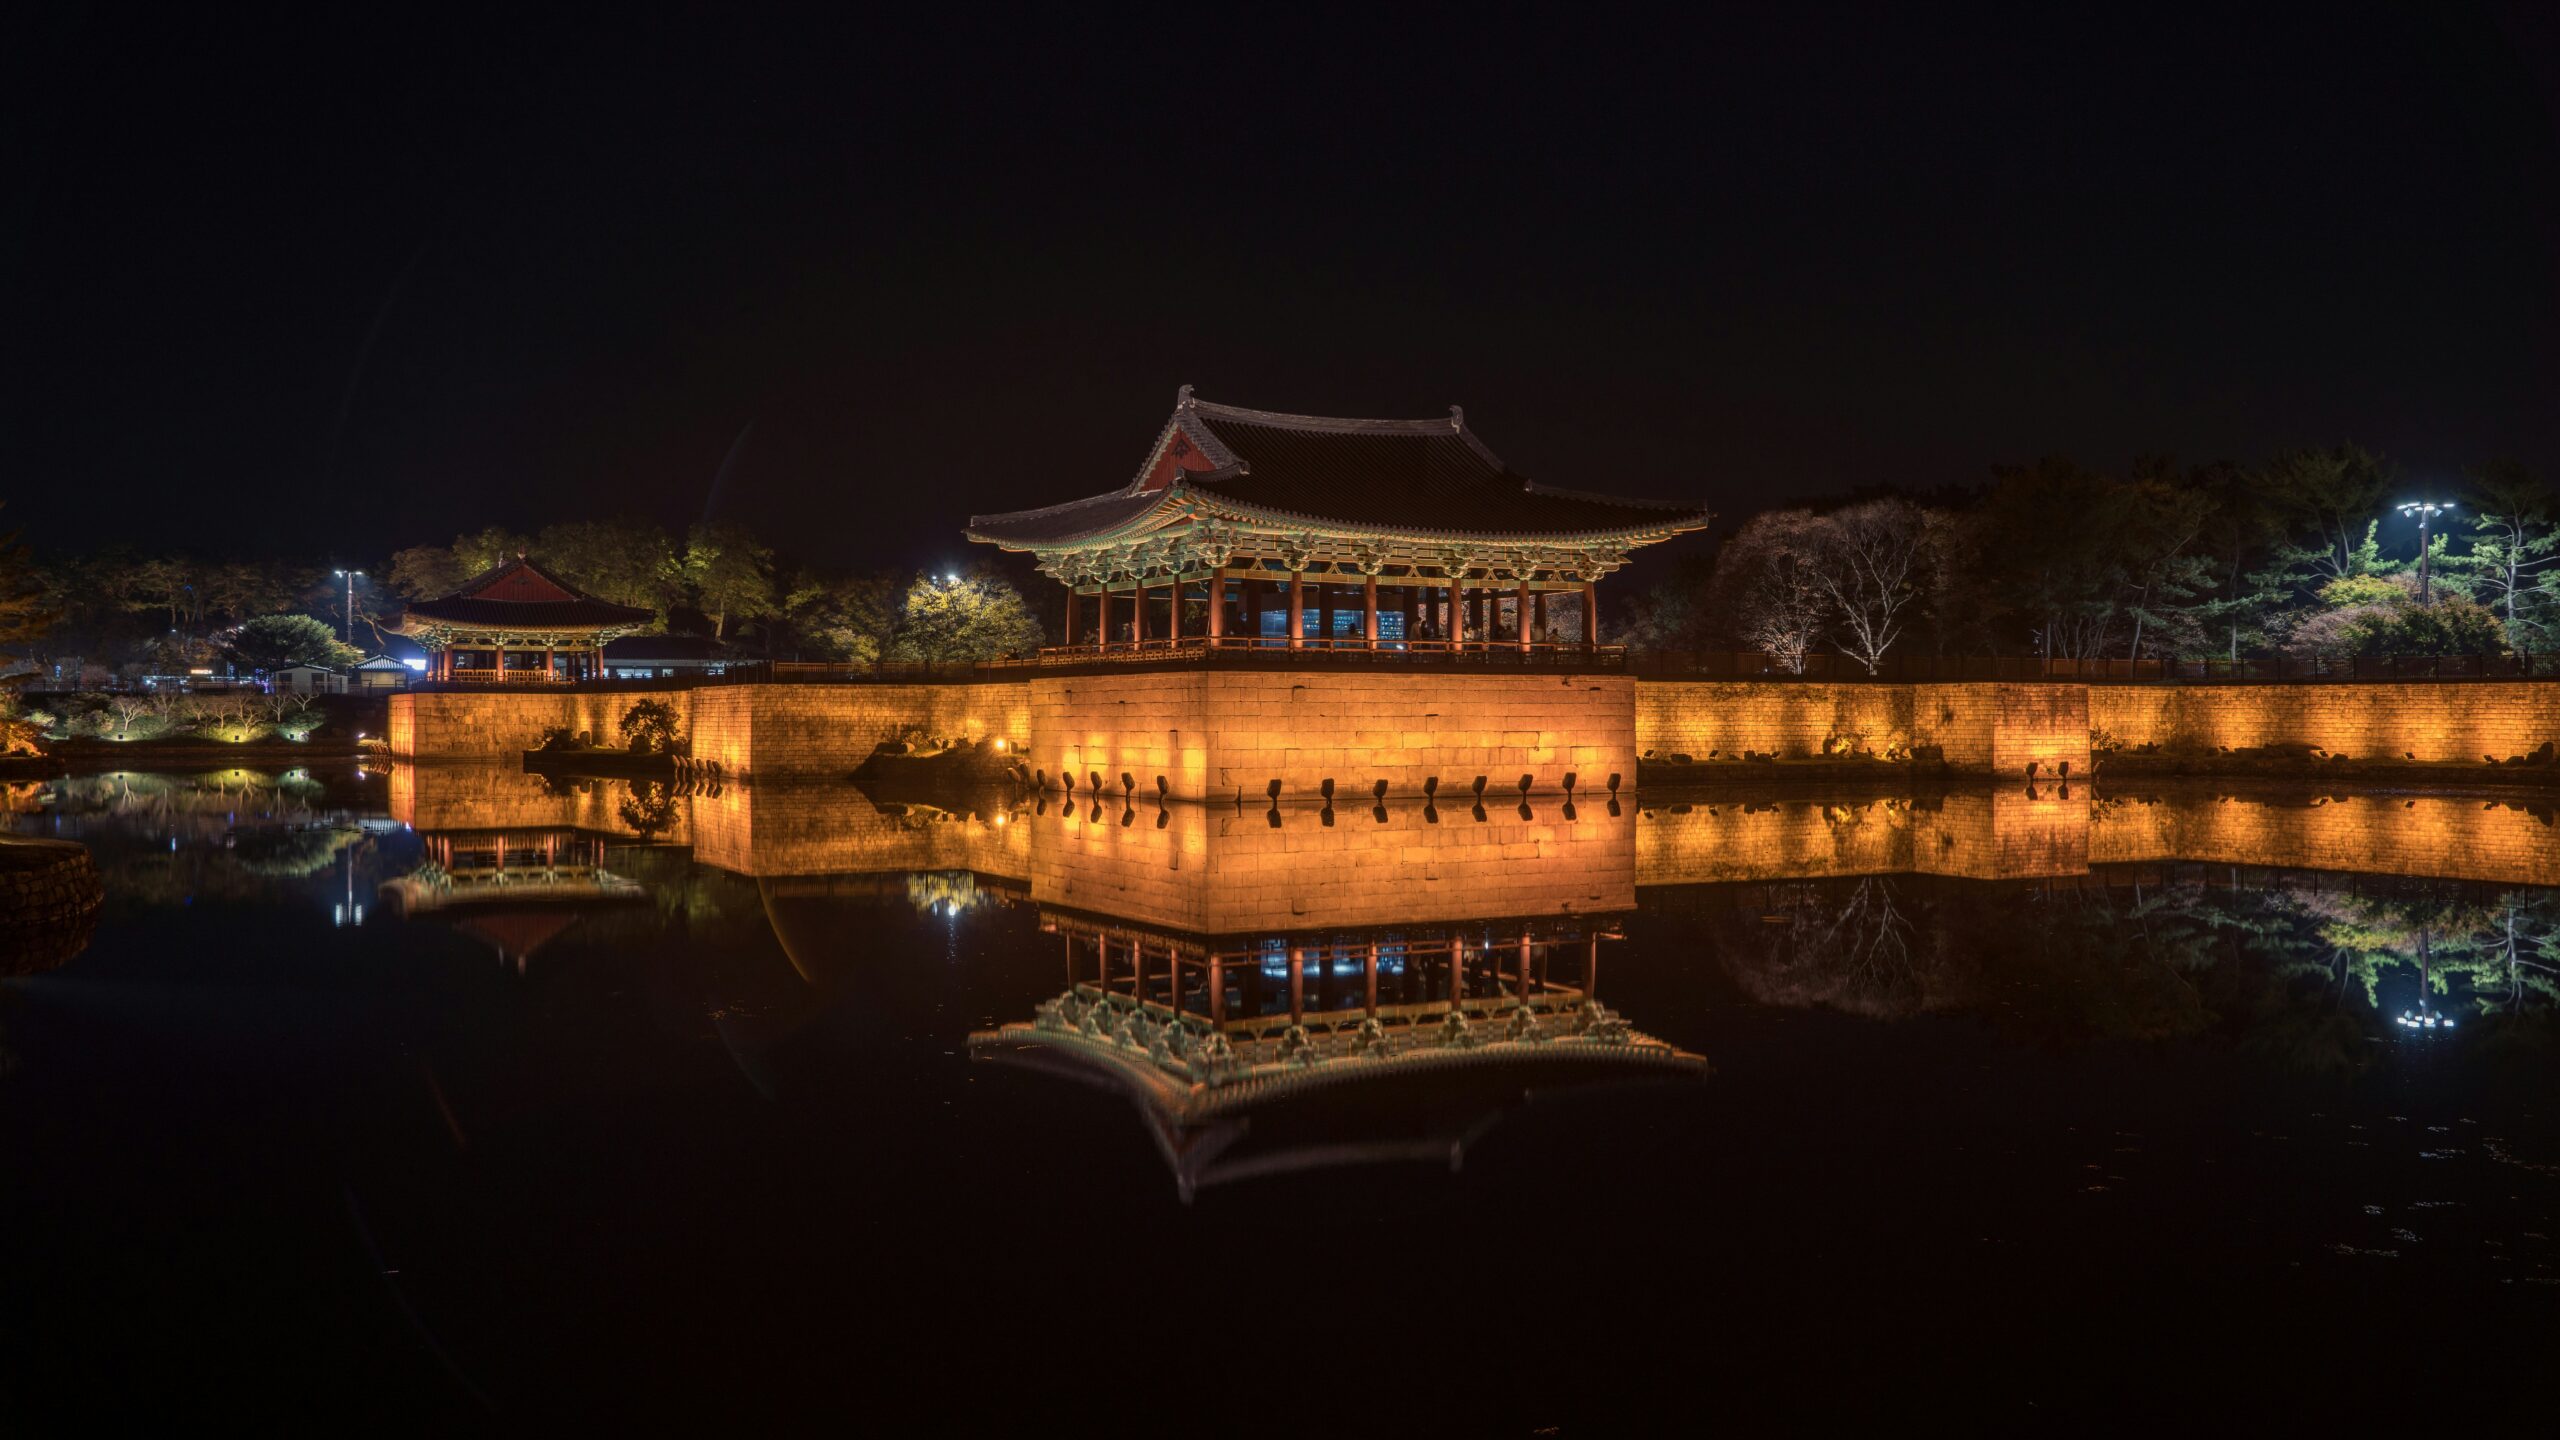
x,y
518,624
1304,531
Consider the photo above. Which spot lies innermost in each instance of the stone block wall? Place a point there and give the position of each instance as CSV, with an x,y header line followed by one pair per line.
x,y
827,731
459,725
1224,736
2456,721
1792,719
1982,728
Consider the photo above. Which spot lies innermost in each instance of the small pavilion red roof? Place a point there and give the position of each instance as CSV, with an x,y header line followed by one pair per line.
x,y
518,594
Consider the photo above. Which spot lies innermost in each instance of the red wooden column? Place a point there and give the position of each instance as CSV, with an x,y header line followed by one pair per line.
x,y
1217,607
1521,608
1524,965
1173,614
1373,978
1102,615
1456,630
1217,991
1297,609
1297,985
1591,972
1369,593
1591,612
1138,617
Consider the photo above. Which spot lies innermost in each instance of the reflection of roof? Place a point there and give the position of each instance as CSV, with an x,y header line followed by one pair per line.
x,y
1412,476
521,594
518,934
1197,1082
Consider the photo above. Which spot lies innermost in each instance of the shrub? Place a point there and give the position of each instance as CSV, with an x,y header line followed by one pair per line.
x,y
649,728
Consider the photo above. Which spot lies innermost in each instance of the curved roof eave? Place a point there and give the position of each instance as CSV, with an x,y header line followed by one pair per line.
x,y
1679,523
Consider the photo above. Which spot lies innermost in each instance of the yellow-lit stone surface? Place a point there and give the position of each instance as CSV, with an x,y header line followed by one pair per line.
x,y
457,725
2008,834
782,831
1210,870
456,796
2446,721
817,731
1220,735
1217,734
1979,728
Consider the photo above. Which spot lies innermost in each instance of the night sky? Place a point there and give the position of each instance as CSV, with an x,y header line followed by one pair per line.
x,y
328,284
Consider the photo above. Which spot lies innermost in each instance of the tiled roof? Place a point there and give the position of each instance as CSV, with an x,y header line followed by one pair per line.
x,y
518,594
1415,476
1090,516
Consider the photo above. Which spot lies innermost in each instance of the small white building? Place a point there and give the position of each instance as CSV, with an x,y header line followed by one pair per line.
x,y
378,673
307,680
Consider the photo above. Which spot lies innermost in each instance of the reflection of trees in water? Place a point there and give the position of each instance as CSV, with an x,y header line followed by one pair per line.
x,y
2287,968
1846,945
649,810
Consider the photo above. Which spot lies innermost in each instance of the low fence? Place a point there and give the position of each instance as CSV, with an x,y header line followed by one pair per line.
x,y
1474,658
1919,669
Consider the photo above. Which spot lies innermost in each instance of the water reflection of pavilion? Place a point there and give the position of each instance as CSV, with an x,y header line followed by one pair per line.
x,y
1230,1044
516,889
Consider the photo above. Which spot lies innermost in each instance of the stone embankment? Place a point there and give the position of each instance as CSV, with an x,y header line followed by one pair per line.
x,y
1230,735
50,895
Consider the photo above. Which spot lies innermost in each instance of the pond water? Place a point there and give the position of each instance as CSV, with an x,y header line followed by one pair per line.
x,y
439,1096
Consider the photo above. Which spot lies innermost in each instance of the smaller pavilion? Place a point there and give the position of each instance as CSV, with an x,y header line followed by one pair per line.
x,y
517,624
1252,528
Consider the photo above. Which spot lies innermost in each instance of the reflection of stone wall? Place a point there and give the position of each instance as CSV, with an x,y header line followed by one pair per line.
x,y
1983,835
1215,871
2008,833
773,831
1219,735
1980,728
2459,721
457,795
2448,836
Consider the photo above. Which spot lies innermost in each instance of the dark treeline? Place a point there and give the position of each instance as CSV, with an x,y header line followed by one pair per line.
x,y
2165,561
121,613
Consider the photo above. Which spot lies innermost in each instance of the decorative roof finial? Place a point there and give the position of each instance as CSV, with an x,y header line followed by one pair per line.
x,y
1457,417
1182,398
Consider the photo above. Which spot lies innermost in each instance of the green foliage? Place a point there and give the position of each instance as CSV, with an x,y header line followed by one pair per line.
x,y
2331,497
849,618
730,574
2363,590
620,561
649,728
25,613
273,642
2451,626
980,617
2513,565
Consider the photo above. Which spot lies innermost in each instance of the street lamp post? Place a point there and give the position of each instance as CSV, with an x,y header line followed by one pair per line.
x,y
2426,511
350,633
